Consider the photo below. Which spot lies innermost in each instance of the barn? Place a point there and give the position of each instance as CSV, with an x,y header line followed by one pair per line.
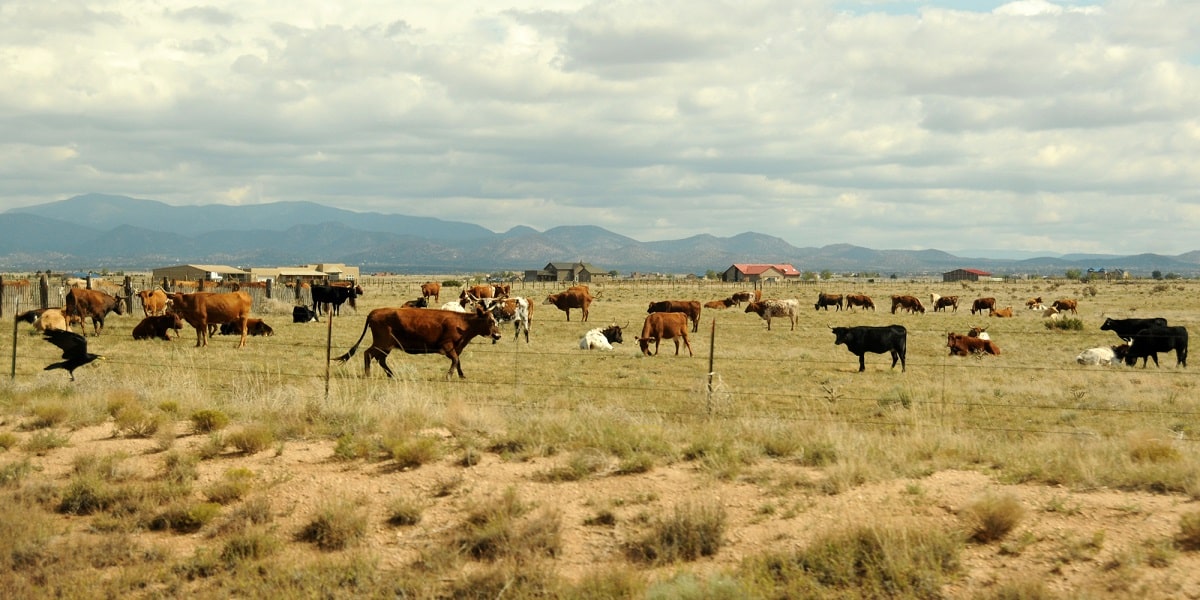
x,y
760,272
965,275
576,272
191,272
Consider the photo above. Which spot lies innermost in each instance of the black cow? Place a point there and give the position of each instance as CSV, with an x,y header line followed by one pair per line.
x,y
303,314
862,339
334,295
1147,343
1126,328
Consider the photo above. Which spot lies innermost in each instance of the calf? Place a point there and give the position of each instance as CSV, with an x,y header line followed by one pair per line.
x,y
1034,303
1126,328
1103,355
53,318
664,326
601,338
1003,313
865,338
1147,343
421,302
253,327
518,310
775,308
961,345
158,326
303,314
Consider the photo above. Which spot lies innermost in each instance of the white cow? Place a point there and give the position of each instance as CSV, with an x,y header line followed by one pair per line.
x,y
519,311
1103,355
767,309
601,338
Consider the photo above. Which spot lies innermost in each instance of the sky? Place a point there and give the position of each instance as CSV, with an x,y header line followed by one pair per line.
x,y
1061,126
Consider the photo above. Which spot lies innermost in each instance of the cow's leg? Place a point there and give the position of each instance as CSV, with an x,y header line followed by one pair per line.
x,y
687,343
895,357
244,325
862,362
768,323
568,314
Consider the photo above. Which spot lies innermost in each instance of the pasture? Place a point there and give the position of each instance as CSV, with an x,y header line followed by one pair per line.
x,y
761,467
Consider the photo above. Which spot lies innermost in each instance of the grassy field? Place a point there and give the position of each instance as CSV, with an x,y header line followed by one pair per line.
x,y
763,466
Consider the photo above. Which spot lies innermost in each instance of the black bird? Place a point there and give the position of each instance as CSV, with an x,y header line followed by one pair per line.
x,y
74,347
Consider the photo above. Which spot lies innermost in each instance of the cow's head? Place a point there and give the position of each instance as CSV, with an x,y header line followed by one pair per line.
x,y
486,313
841,335
612,333
119,307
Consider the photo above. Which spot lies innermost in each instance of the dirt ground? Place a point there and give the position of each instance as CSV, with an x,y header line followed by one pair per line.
x,y
1080,544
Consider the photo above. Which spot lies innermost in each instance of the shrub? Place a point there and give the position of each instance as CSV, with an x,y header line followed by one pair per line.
x,y
12,473
131,420
247,545
49,414
251,439
185,518
413,452
690,532
180,467
495,530
352,447
42,442
404,512
8,440
1067,323
86,495
209,420
1188,536
992,517
233,486
335,526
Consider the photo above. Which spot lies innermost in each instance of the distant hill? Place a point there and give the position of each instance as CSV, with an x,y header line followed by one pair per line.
x,y
95,231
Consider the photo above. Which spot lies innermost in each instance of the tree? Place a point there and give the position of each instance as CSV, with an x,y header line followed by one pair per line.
x,y
614,273
826,274
1156,274
1074,273
711,274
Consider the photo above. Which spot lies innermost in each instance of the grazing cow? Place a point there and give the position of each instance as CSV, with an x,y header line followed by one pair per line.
x,y
253,327
826,300
574,297
1003,313
664,326
982,304
1103,355
421,302
1065,304
862,339
333,295
740,297
720,304
862,300
518,310
767,309
1148,342
1126,328
202,309
154,302
303,314
420,331
691,308
431,288
601,338
1034,303
944,302
158,326
84,303
910,303
978,332
962,345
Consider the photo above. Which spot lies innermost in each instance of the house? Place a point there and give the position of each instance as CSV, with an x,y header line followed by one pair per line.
x,y
191,272
760,272
965,275
573,272
335,271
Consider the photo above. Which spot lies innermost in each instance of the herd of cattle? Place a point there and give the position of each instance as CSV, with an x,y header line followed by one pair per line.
x,y
415,328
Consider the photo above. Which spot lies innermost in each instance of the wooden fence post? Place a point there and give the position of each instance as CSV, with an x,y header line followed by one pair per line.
x,y
44,290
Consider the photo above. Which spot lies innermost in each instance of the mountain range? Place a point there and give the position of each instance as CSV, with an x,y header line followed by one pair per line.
x,y
99,231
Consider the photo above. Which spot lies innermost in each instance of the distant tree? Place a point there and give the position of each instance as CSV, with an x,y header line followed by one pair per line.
x,y
826,274
1074,273
893,276
711,274
614,273
1172,276
808,275
1156,274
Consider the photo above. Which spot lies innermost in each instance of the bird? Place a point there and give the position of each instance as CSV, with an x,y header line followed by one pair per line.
x,y
74,347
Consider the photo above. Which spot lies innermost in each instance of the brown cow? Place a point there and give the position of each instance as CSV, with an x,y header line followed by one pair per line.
x,y
1003,313
154,302
720,304
664,326
862,300
420,331
83,303
944,302
691,308
574,297
253,327
1034,303
201,309
52,318
1065,304
478,291
961,345
910,303
982,304
826,300
740,297
158,326
431,288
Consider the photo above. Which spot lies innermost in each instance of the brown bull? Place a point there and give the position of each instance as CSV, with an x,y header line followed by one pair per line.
x,y
204,309
421,331
83,303
574,297
664,326
691,308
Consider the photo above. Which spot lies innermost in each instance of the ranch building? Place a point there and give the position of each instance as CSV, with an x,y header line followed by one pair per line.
x,y
574,272
760,272
199,272
965,275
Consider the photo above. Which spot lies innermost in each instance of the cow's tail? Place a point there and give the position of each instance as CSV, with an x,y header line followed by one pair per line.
x,y
345,357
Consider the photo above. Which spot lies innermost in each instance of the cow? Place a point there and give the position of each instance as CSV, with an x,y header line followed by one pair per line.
x,y
1148,342
601,338
1103,355
661,326
877,339
158,326
421,331
201,309
910,303
1051,313
253,327
303,314
978,332
459,306
1065,304
1002,313
518,310
478,291
740,297
84,303
332,295
691,308
826,300
501,290
944,302
431,288
421,302
767,309
574,297
1126,328
1034,303
31,316
962,345
720,304
52,318
154,302
861,300
982,304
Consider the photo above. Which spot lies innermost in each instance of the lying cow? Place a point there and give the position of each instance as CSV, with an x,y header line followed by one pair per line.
x,y
1002,313
664,326
866,338
601,338
303,314
253,327
421,302
158,326
1103,355
720,304
962,345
